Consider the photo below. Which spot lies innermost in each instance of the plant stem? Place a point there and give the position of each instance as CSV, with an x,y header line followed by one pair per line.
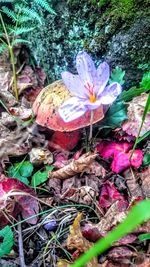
x,y
12,58
91,125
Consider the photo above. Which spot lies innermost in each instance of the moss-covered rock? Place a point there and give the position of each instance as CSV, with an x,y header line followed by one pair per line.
x,y
113,30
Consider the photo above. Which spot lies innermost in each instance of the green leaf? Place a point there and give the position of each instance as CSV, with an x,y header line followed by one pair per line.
x,y
144,237
145,83
8,241
132,92
41,176
25,168
146,160
21,171
116,114
141,212
117,75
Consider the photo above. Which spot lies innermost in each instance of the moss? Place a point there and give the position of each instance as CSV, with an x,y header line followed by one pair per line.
x,y
88,24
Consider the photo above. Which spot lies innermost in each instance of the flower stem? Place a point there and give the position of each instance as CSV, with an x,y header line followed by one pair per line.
x,y
91,125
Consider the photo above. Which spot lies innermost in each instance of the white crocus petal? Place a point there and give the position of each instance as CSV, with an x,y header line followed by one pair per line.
x,y
86,68
73,84
110,93
91,106
103,73
72,109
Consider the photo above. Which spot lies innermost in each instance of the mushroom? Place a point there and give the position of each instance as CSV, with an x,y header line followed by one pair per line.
x,y
46,107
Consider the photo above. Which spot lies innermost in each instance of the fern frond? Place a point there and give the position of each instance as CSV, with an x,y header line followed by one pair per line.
x,y
20,41
6,1
2,48
10,13
44,4
21,30
22,19
30,13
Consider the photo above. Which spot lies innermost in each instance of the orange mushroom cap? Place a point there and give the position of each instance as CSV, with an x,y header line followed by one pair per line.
x,y
46,107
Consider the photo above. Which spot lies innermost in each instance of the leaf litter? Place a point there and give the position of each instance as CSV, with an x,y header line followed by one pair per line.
x,y
67,196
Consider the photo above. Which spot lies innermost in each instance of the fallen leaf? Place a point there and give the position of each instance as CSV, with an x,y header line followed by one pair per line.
x,y
15,196
75,167
109,194
135,113
76,241
21,113
135,190
112,217
121,153
145,180
121,253
83,195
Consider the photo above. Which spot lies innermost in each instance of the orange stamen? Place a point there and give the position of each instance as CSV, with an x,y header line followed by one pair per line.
x,y
91,94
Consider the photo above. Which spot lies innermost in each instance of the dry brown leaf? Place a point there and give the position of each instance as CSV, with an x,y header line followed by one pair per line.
x,y
76,166
63,263
83,195
121,253
145,179
77,241
135,113
17,141
96,169
112,217
134,188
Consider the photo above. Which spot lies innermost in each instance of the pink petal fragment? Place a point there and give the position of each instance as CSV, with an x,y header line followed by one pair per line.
x,y
110,93
86,68
73,84
72,109
103,73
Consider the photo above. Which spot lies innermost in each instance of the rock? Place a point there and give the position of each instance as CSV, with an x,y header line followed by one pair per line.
x,y
113,30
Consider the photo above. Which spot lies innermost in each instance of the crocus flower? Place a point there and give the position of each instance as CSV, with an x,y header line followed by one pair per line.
x,y
89,88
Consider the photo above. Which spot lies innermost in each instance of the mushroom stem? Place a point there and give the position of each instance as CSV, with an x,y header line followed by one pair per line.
x,y
91,125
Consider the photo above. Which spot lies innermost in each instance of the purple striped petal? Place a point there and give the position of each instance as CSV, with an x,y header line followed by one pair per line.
x,y
86,68
73,84
72,109
103,73
110,93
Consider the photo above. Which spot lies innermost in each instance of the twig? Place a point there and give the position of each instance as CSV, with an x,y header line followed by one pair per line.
x,y
20,243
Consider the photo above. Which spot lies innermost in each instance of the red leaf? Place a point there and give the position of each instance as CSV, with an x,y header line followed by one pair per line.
x,y
107,149
109,195
121,155
23,200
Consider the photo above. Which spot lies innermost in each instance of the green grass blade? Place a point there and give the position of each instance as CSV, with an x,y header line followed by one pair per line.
x,y
139,214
